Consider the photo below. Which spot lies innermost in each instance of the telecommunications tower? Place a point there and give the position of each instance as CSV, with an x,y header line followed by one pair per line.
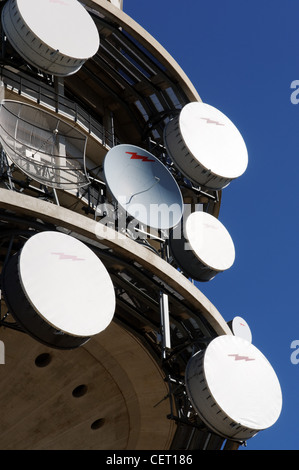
x,y
111,175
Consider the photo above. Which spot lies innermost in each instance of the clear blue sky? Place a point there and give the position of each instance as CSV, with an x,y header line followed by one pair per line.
x,y
242,57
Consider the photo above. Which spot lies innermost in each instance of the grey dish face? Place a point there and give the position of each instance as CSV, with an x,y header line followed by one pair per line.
x,y
143,187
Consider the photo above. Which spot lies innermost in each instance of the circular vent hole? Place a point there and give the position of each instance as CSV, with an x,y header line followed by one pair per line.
x,y
43,360
97,424
79,391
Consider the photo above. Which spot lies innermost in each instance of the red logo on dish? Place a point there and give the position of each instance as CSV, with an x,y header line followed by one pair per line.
x,y
241,358
64,256
210,121
135,156
58,1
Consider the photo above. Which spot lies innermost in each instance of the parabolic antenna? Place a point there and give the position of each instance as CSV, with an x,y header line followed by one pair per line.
x,y
46,148
233,388
56,36
58,290
143,186
203,247
241,328
206,146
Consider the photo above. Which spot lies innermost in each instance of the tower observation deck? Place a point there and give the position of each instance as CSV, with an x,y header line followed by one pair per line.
x,y
111,175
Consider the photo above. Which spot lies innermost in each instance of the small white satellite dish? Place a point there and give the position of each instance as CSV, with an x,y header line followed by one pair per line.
x,y
206,146
233,388
203,248
56,36
241,328
143,186
59,290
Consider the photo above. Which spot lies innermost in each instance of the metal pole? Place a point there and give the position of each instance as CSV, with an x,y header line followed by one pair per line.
x,y
165,324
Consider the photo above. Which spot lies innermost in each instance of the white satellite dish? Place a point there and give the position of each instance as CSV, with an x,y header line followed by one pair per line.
x,y
206,146
58,290
203,248
143,186
241,328
233,388
56,36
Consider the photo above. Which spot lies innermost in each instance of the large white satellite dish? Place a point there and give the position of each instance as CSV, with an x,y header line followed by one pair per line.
x,y
203,248
233,388
56,36
59,290
143,186
206,146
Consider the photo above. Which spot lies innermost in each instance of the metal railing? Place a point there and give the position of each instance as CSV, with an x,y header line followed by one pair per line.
x,y
48,97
